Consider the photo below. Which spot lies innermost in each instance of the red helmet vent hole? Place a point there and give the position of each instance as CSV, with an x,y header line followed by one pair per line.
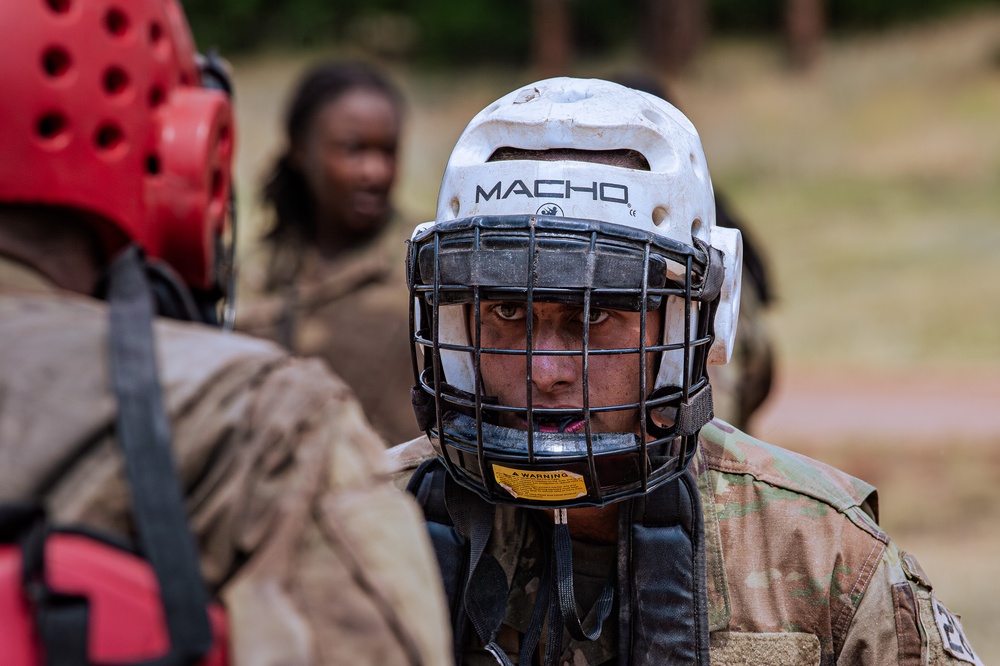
x,y
56,61
59,6
156,97
153,166
51,126
225,139
155,33
217,185
115,81
116,22
109,137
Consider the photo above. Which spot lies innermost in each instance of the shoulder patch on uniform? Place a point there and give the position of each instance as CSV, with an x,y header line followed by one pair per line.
x,y
952,636
913,570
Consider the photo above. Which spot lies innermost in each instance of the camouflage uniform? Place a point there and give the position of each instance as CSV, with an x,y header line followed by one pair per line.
x,y
297,523
351,311
799,571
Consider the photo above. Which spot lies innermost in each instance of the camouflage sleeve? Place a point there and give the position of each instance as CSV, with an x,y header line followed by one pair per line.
x,y
900,620
331,564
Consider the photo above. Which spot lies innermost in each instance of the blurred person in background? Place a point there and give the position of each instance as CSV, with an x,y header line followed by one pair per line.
x,y
585,506
242,474
331,281
741,386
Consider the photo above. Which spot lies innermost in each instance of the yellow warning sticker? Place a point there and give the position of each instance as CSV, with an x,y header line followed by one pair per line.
x,y
549,485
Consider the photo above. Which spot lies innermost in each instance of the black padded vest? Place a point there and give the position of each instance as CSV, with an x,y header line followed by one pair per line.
x,y
661,585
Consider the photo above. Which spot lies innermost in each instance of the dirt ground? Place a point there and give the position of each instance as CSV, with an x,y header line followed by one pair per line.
x,y
930,442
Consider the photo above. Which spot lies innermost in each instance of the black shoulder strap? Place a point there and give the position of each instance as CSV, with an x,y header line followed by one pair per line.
x,y
17,518
165,538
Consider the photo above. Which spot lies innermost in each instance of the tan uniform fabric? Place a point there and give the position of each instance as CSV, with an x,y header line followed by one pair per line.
x,y
798,570
298,525
351,311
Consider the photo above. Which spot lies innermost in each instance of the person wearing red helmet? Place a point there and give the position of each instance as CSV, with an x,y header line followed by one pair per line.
x,y
240,474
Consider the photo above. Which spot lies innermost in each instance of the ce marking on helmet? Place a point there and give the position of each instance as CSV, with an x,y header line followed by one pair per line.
x,y
631,211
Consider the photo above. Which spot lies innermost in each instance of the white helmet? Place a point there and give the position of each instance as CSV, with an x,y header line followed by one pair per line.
x,y
522,190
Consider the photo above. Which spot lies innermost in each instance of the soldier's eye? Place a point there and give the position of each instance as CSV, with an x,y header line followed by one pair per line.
x,y
595,316
509,311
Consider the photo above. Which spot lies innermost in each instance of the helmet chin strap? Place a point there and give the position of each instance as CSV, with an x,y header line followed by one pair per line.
x,y
486,588
562,558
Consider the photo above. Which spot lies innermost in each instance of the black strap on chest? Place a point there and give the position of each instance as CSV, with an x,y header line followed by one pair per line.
x,y
661,579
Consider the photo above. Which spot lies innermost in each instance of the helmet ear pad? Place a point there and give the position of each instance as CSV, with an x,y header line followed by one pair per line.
x,y
457,366
727,246
730,243
189,195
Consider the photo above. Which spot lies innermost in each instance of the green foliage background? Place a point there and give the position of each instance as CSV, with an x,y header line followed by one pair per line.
x,y
463,32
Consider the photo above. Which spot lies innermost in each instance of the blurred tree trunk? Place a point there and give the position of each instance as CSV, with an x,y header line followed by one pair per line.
x,y
805,27
672,32
551,43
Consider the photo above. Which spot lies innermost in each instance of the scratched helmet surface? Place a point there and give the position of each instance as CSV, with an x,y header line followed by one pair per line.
x,y
586,193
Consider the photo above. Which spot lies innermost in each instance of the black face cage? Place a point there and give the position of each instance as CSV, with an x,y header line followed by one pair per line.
x,y
588,264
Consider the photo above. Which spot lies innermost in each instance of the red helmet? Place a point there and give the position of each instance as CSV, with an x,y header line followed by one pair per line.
x,y
103,111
